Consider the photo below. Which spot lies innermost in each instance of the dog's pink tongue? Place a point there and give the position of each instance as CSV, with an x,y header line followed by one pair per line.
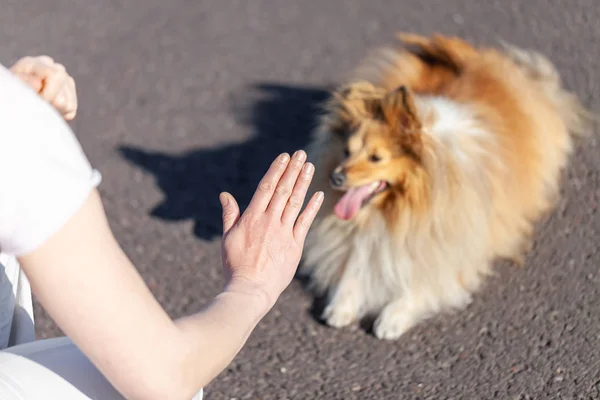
x,y
347,207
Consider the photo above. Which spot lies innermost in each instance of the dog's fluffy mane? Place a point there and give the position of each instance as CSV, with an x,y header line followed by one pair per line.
x,y
495,132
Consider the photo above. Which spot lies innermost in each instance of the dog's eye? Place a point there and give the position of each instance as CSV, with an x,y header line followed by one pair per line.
x,y
375,158
346,153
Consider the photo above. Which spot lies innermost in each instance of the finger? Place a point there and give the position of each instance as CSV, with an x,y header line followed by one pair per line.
x,y
23,66
287,183
268,183
41,66
53,74
33,81
70,116
64,101
70,94
72,90
307,217
61,101
294,204
231,211
53,82
45,60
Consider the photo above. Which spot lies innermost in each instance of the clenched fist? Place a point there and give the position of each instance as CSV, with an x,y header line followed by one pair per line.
x,y
51,81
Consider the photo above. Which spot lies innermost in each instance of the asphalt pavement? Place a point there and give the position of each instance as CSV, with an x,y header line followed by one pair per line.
x,y
181,99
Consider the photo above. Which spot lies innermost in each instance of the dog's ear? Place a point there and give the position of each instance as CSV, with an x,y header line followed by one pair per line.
x,y
400,112
399,109
354,102
360,98
356,90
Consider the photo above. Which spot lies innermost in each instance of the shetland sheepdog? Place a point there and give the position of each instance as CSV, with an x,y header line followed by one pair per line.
x,y
436,158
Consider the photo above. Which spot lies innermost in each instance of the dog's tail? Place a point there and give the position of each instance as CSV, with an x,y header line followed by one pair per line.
x,y
424,63
450,52
539,68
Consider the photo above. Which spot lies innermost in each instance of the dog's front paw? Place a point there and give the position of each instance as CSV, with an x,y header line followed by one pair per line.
x,y
339,315
392,323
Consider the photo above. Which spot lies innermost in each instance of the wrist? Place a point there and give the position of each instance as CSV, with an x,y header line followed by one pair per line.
x,y
256,296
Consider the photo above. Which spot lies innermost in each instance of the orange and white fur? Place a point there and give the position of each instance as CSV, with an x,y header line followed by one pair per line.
x,y
436,159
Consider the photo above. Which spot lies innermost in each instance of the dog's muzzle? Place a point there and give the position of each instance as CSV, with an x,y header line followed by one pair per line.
x,y
338,178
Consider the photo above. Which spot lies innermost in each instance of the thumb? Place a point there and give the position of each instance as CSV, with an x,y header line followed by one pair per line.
x,y
32,80
231,211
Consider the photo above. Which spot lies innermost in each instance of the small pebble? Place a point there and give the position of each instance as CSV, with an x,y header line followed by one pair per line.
x,y
458,19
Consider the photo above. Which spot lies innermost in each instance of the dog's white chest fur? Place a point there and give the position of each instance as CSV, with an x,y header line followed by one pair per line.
x,y
420,267
369,255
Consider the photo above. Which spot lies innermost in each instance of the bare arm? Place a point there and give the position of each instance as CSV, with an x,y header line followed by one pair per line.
x,y
88,285
94,293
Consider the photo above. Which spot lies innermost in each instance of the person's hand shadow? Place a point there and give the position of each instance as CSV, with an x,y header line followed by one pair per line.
x,y
282,118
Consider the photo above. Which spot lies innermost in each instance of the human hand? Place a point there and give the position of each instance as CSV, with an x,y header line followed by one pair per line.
x,y
51,81
262,247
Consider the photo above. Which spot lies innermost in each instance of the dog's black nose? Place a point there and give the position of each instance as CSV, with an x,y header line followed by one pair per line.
x,y
338,178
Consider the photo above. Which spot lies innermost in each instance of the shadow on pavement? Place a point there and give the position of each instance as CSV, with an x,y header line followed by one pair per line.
x,y
282,118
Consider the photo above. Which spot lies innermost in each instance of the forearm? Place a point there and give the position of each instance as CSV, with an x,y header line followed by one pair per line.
x,y
86,282
143,353
201,346
109,312
213,337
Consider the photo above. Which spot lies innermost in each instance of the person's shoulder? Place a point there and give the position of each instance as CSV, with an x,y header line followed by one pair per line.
x,y
31,130
14,89
44,171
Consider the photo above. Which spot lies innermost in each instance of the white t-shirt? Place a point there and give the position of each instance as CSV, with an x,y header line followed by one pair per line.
x,y
44,179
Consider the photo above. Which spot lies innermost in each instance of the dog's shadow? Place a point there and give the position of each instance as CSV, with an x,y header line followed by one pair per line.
x,y
281,117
